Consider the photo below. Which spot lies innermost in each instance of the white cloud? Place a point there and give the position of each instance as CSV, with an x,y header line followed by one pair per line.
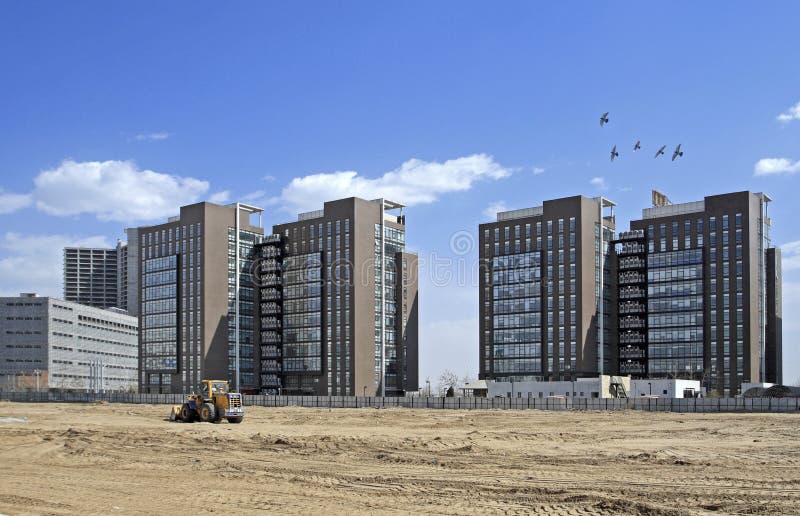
x,y
537,171
11,202
113,190
253,196
599,183
790,255
774,166
152,137
490,212
34,263
793,113
269,178
220,197
414,182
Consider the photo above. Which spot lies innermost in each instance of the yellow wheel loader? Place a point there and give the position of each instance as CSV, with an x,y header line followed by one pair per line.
x,y
211,405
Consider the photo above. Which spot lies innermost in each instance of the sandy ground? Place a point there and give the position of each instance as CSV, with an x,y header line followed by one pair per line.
x,y
127,459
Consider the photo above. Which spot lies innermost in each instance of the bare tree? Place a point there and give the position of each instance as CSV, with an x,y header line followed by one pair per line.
x,y
448,379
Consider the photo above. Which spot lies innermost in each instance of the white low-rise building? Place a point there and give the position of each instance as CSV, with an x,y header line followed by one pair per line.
x,y
602,387
47,343
665,388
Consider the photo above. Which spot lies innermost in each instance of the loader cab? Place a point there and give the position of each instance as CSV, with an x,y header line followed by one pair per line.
x,y
219,387
211,388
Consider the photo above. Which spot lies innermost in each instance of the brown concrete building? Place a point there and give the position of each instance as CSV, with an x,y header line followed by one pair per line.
x,y
337,307
196,306
699,292
541,278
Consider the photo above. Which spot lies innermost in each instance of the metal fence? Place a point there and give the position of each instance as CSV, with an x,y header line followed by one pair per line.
x,y
644,404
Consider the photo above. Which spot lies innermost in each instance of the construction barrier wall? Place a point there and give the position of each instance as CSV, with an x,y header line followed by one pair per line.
x,y
644,404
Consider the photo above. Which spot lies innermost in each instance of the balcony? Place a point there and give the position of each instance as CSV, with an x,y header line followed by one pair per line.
x,y
633,262
272,381
632,308
271,366
632,353
271,352
627,278
269,267
632,293
630,248
271,323
270,252
270,308
270,280
631,323
270,294
631,368
271,337
631,338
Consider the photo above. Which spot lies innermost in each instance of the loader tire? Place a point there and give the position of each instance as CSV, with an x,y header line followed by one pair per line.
x,y
207,413
187,414
235,419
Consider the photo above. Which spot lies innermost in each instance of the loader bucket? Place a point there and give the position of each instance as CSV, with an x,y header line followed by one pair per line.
x,y
175,414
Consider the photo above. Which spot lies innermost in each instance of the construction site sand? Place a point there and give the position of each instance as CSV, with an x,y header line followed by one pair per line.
x,y
126,459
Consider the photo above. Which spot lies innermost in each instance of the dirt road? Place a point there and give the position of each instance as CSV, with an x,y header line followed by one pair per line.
x,y
127,459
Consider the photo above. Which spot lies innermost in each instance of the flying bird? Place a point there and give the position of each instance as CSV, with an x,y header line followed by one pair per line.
x,y
637,146
604,119
678,152
660,151
614,153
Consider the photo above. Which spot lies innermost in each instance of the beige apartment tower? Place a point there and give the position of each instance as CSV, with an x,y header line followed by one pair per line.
x,y
542,273
337,303
196,298
709,285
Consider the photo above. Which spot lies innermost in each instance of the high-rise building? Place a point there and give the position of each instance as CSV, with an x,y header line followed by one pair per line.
x,y
699,292
337,303
90,276
64,345
196,298
542,272
100,277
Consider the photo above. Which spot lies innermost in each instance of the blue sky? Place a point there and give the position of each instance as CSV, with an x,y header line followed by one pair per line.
x,y
499,105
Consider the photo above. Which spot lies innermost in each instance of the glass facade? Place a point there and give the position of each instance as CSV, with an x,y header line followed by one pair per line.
x,y
386,279
675,313
302,319
517,309
604,255
247,367
159,320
